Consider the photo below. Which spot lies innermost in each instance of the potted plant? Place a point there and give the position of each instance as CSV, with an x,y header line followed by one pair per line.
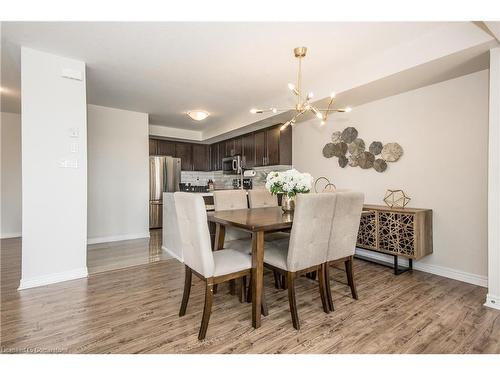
x,y
289,183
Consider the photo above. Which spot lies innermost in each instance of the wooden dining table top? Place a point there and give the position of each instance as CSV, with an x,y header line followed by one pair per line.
x,y
254,219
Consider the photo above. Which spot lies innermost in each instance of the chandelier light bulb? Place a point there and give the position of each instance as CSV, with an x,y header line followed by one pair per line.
x,y
348,109
274,110
310,96
307,106
323,122
332,95
319,115
253,110
291,86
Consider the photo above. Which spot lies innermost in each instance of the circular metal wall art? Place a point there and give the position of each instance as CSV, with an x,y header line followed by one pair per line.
x,y
336,137
379,165
339,149
343,161
376,147
357,146
328,150
391,152
366,160
349,134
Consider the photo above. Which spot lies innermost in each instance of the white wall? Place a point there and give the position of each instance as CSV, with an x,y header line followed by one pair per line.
x,y
54,198
443,130
118,174
11,175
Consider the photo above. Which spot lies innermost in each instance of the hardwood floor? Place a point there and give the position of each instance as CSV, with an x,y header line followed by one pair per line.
x,y
122,254
135,310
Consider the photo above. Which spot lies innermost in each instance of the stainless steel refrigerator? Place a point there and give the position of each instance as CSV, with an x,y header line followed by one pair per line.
x,y
164,176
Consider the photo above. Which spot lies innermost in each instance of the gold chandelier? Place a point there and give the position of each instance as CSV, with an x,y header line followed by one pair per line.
x,y
303,102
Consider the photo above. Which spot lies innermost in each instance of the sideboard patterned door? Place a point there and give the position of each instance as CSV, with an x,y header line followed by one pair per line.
x,y
406,232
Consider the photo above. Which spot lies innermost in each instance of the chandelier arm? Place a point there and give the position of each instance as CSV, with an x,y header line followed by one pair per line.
x,y
325,117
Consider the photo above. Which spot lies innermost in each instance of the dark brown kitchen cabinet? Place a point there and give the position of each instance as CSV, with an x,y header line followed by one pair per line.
x,y
272,146
153,146
184,151
166,148
260,148
215,157
201,158
248,150
286,140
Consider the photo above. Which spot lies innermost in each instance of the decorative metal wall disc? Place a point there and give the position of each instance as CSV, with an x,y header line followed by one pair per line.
x,y
353,161
343,161
396,198
336,137
339,149
328,150
366,160
376,147
392,152
357,146
379,165
349,134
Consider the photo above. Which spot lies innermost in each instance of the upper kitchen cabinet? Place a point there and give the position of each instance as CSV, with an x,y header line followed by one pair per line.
x,y
215,157
184,151
248,150
273,146
153,146
201,158
260,148
166,148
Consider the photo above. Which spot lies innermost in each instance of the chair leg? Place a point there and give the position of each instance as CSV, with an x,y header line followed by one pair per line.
x,y
249,290
322,289
242,289
350,277
290,278
187,290
263,303
283,282
207,309
277,280
328,288
232,287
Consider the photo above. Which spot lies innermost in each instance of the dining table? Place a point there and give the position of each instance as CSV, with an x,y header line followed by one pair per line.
x,y
256,221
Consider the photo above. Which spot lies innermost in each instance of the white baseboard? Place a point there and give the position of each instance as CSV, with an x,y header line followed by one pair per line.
x,y
10,235
122,237
492,301
430,268
173,255
53,278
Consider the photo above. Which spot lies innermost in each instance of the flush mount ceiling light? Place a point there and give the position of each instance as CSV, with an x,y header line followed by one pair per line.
x,y
303,102
198,114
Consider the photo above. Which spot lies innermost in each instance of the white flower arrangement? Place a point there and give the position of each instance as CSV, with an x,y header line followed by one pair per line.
x,y
290,182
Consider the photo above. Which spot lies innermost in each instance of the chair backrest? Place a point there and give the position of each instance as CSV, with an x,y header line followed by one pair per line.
x,y
312,222
345,224
171,236
230,200
258,198
194,234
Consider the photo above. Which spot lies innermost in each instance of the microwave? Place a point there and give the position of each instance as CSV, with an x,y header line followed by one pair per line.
x,y
231,165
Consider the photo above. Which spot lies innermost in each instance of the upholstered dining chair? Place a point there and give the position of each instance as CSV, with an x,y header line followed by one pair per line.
x,y
171,238
307,249
343,235
233,200
199,259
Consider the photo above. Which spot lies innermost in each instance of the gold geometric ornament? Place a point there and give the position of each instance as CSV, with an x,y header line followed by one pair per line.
x,y
396,198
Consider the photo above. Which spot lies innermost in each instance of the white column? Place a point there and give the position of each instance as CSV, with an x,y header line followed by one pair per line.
x,y
493,297
54,168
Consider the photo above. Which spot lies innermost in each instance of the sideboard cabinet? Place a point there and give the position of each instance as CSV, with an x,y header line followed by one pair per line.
x,y
405,232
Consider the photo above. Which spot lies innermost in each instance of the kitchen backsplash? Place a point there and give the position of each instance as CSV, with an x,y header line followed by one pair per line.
x,y
222,181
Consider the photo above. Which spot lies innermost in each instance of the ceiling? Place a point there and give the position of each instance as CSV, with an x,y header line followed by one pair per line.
x,y
165,69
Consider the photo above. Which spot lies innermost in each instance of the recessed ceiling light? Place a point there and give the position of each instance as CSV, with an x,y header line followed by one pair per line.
x,y
198,114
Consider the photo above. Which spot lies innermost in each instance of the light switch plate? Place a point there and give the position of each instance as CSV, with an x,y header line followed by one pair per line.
x,y
73,147
74,132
